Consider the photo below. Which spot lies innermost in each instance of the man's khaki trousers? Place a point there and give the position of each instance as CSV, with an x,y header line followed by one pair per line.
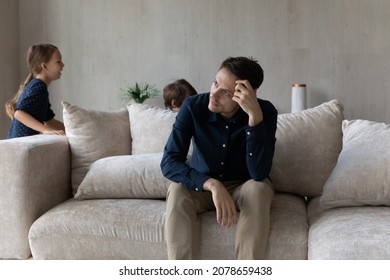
x,y
253,199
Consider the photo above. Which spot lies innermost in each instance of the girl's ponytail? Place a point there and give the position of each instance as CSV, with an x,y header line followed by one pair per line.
x,y
11,104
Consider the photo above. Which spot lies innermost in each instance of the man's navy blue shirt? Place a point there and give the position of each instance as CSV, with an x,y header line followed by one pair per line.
x,y
225,150
34,101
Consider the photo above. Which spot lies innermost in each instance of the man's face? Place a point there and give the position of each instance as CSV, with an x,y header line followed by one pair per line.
x,y
221,93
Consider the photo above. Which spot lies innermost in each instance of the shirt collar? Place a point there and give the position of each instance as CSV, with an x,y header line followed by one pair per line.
x,y
239,117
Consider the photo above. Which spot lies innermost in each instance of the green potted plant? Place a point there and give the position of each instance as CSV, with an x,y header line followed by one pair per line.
x,y
139,92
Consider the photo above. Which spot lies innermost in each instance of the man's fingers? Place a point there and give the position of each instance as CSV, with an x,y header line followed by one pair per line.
x,y
219,219
243,84
228,215
233,216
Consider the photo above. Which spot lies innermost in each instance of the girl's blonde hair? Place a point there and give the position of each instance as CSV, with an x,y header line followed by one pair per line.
x,y
36,55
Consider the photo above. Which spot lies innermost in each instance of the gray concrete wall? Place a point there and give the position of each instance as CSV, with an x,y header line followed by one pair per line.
x,y
9,58
339,48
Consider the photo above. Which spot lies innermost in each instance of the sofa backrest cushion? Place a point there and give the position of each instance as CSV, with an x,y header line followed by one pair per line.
x,y
362,174
94,135
133,176
150,128
307,147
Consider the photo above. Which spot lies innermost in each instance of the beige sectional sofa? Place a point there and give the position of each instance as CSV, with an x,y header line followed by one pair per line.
x,y
98,192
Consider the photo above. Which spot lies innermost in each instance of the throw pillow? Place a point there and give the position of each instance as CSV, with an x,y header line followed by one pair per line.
x,y
93,135
150,128
362,173
307,147
135,176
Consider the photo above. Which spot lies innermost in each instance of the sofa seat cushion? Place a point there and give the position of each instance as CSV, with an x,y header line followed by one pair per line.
x,y
134,229
348,233
100,229
287,238
289,228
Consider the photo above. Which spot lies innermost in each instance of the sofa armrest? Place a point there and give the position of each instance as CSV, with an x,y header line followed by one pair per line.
x,y
34,177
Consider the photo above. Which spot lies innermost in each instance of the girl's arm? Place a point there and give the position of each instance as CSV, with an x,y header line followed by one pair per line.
x,y
55,125
32,123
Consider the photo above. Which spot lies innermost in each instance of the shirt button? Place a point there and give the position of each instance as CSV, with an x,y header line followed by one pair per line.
x,y
249,133
224,145
250,154
196,189
222,163
227,127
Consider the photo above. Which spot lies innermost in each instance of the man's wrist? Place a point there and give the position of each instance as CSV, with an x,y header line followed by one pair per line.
x,y
253,121
255,117
210,184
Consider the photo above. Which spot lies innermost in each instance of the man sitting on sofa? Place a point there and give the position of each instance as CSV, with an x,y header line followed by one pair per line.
x,y
233,134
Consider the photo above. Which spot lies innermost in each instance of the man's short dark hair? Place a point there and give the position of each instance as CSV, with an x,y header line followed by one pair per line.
x,y
245,68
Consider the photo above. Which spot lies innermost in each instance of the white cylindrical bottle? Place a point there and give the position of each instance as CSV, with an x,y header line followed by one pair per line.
x,y
298,97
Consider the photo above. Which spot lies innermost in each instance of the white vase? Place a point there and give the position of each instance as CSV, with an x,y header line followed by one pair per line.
x,y
298,97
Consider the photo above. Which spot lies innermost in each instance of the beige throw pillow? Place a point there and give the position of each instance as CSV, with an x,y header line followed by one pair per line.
x,y
150,128
93,135
307,147
362,173
135,176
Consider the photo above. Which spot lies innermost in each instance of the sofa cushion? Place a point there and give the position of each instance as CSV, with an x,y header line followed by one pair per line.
x,y
308,144
93,135
105,229
362,173
150,128
135,176
134,229
287,239
348,233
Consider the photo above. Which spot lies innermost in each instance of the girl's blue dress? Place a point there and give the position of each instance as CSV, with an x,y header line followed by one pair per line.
x,y
34,100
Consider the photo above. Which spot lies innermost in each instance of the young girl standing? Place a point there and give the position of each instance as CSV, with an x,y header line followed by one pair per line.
x,y
30,109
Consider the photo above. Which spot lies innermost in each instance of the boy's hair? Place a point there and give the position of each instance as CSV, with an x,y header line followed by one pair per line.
x,y
36,55
178,90
245,68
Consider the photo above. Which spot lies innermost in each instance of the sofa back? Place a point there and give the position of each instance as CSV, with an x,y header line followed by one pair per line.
x,y
307,147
